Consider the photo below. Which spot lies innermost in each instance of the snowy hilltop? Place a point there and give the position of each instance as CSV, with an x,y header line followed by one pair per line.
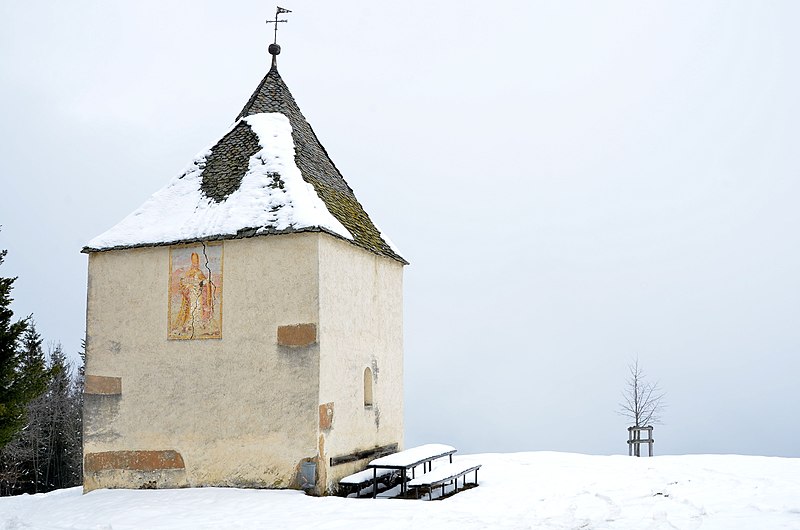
x,y
518,490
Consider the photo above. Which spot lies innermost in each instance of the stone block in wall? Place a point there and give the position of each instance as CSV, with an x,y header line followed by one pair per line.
x,y
102,385
297,335
326,416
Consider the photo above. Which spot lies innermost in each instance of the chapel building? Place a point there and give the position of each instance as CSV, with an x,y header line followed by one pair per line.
x,y
244,325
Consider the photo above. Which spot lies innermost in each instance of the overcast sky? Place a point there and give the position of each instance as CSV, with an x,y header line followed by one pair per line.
x,y
574,183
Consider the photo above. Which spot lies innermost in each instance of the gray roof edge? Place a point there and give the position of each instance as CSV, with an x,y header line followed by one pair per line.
x,y
244,233
392,253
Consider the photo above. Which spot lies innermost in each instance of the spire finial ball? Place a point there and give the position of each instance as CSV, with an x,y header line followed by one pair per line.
x,y
274,49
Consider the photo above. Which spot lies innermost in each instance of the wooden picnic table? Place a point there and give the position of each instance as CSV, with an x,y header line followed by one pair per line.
x,y
444,475
409,459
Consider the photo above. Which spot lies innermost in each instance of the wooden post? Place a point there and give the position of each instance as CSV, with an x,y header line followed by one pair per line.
x,y
630,441
638,443
635,440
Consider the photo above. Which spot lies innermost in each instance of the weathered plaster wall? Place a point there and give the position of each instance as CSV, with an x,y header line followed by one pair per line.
x,y
361,326
240,410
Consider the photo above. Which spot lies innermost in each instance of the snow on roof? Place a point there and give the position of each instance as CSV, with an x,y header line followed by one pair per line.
x,y
272,196
268,174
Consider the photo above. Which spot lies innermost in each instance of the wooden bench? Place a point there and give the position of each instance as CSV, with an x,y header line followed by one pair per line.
x,y
443,476
358,481
409,460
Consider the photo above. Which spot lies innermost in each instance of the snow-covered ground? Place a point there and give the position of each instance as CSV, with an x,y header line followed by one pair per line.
x,y
520,490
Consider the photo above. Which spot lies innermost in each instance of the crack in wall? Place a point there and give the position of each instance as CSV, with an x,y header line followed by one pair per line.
x,y
210,279
197,307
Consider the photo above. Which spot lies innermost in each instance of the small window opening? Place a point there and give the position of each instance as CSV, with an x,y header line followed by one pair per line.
x,y
367,387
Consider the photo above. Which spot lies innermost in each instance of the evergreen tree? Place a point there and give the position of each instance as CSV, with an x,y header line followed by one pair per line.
x,y
75,457
46,454
23,458
40,408
22,376
62,440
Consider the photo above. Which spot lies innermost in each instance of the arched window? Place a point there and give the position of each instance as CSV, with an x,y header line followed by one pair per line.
x,y
367,387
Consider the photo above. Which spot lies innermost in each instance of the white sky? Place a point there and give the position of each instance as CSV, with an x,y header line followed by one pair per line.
x,y
574,183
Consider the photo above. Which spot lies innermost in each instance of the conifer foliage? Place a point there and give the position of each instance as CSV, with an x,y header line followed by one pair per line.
x,y
46,454
40,408
22,374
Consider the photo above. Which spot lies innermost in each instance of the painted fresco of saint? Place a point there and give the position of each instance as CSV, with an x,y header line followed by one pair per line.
x,y
195,292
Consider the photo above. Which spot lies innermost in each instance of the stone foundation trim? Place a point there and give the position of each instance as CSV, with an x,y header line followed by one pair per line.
x,y
133,461
373,453
297,335
103,385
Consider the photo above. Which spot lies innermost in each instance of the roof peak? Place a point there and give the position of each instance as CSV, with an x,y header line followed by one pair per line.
x,y
274,48
316,166
239,161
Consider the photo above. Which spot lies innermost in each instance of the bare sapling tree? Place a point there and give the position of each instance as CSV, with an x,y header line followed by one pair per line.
x,y
642,401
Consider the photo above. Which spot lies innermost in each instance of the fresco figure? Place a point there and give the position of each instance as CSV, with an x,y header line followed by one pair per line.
x,y
195,295
196,300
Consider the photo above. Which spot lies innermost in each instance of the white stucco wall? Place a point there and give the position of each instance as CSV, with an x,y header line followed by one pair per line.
x,y
361,326
240,410
243,410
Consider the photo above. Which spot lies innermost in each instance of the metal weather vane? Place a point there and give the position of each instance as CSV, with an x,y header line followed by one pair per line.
x,y
278,11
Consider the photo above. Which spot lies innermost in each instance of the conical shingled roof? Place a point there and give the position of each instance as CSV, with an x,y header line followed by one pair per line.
x,y
244,186
315,165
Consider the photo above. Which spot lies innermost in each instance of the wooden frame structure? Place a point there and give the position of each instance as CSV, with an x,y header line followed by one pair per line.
x,y
635,440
